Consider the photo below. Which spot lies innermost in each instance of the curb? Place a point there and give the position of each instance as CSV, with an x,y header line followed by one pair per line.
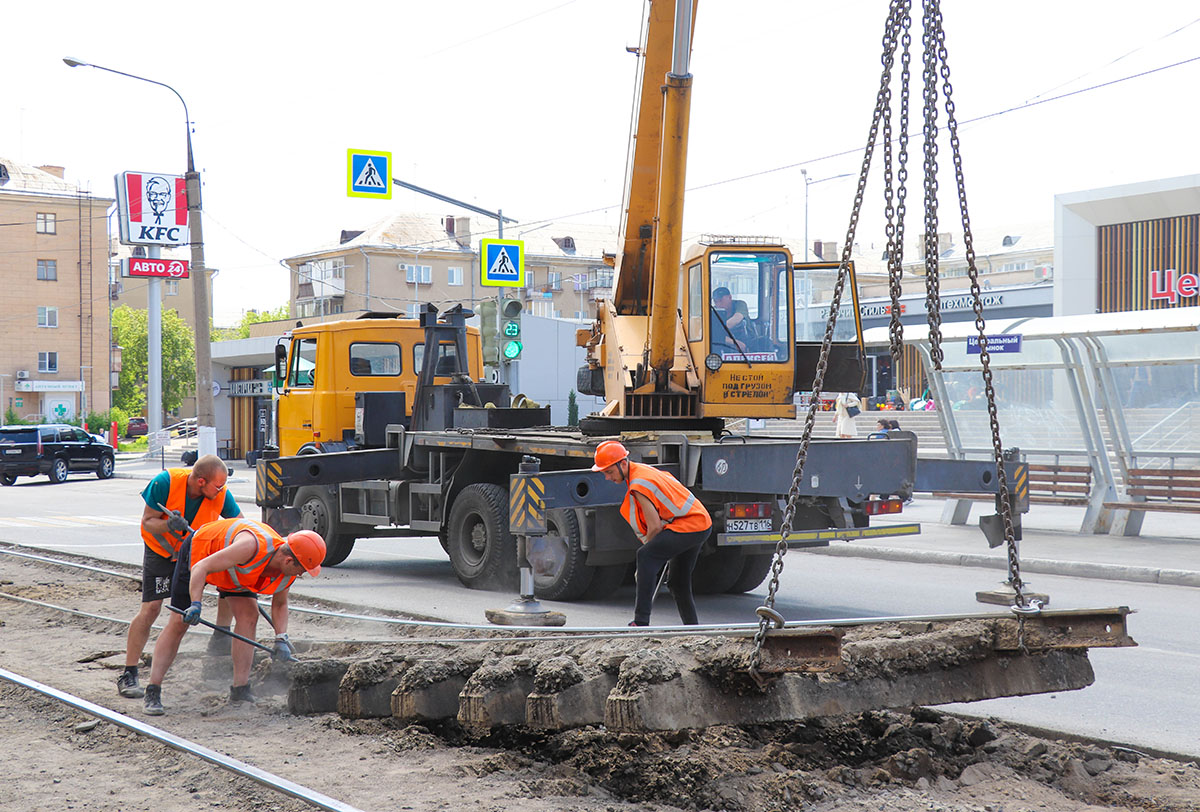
x,y
1042,566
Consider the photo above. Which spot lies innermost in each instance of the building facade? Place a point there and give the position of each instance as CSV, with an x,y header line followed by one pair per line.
x,y
55,349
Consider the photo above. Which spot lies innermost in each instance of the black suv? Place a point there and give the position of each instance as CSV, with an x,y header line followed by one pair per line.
x,y
52,449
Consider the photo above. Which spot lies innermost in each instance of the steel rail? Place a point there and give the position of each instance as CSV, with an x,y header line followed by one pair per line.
x,y
224,762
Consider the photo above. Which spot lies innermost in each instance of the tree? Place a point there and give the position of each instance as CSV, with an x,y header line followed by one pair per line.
x,y
572,409
131,333
242,329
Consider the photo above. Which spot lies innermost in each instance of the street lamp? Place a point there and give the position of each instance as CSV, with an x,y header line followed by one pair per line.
x,y
808,183
204,396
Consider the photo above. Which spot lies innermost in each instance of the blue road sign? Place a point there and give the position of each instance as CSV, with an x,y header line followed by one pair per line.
x,y
502,263
369,173
995,344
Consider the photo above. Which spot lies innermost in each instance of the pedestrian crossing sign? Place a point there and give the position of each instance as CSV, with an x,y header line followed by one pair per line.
x,y
369,173
502,263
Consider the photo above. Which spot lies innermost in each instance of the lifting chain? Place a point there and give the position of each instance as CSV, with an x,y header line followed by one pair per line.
x,y
896,32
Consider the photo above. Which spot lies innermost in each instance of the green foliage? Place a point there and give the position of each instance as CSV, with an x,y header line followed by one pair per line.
x,y
131,332
572,409
242,329
11,418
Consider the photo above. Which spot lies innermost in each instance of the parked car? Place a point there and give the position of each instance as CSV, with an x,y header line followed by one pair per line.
x,y
137,427
52,449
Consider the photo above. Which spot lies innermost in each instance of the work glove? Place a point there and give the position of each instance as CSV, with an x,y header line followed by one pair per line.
x,y
177,524
283,649
192,616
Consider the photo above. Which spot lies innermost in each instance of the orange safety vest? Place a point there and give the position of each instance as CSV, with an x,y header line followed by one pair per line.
x,y
167,543
678,507
251,575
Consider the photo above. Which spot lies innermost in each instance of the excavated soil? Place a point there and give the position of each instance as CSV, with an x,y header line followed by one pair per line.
x,y
892,761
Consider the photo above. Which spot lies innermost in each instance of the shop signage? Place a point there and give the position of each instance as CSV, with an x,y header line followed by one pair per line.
x,y
995,344
1172,285
248,389
152,209
49,386
156,268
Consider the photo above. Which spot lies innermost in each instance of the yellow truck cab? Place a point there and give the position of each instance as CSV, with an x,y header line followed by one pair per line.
x,y
326,365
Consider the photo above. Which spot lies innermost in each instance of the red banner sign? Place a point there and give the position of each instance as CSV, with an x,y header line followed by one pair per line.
x,y
161,268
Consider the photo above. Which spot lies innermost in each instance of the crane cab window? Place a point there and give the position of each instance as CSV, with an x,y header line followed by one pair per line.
x,y
447,363
814,290
304,362
748,316
374,359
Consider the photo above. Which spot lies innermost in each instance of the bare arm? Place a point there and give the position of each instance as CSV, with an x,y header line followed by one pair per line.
x,y
654,523
154,521
242,550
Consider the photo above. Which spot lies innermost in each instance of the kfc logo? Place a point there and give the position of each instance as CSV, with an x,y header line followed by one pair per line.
x,y
153,209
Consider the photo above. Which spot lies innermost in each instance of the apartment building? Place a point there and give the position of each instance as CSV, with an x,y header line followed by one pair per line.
x,y
404,260
55,353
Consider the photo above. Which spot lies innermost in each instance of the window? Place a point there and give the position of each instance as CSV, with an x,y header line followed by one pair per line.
x,y
47,270
47,317
748,318
304,362
171,287
554,280
47,223
454,276
413,311
374,358
447,362
600,278
417,274
47,362
695,294
1015,266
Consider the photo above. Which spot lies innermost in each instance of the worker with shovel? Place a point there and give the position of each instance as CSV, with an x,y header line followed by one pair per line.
x,y
669,521
176,501
243,559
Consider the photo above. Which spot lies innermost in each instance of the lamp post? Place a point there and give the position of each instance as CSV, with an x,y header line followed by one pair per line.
x,y
807,183
204,395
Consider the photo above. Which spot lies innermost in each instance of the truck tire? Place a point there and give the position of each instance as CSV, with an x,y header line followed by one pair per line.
x,y
318,512
482,551
717,572
753,572
560,569
605,581
58,471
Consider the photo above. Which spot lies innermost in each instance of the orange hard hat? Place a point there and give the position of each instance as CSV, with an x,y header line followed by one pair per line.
x,y
609,453
309,549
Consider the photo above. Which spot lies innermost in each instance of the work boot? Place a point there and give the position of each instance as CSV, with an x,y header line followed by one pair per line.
x,y
220,645
127,685
240,693
154,706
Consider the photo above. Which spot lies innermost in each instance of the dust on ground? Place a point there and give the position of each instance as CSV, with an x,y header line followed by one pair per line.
x,y
888,761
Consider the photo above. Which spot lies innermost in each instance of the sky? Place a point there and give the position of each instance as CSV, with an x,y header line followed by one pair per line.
x,y
524,106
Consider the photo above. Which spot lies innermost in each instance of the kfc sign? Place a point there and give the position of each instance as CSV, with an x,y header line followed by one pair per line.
x,y
152,209
156,268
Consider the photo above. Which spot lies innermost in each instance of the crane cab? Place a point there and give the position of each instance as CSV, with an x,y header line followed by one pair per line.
x,y
738,319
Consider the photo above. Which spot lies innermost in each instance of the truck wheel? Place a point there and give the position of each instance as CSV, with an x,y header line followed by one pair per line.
x,y
755,570
716,572
605,581
560,571
105,469
482,551
318,512
58,471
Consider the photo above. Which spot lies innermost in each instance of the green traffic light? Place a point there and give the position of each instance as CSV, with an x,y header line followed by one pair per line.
x,y
512,349
512,329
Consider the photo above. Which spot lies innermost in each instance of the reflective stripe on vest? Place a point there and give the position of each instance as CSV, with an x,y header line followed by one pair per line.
x,y
675,504
217,536
167,544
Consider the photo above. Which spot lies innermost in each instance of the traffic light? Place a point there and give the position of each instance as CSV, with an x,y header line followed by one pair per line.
x,y
510,329
488,329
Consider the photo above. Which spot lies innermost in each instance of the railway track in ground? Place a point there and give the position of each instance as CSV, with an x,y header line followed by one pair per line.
x,y
383,763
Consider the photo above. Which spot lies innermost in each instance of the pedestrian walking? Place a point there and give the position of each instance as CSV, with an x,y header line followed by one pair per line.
x,y
847,407
669,521
243,559
192,498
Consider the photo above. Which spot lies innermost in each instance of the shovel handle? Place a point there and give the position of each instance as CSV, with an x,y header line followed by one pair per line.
x,y
232,634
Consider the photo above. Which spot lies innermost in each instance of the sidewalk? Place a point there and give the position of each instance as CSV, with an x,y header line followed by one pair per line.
x,y
1167,552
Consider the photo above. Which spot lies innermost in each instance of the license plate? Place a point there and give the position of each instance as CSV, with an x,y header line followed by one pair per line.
x,y
747,525
12,451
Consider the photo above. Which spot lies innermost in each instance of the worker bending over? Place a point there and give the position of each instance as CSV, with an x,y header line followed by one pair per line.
x,y
243,559
669,521
192,499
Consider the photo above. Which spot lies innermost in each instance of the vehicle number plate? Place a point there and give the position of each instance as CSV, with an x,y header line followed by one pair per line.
x,y
747,525
12,451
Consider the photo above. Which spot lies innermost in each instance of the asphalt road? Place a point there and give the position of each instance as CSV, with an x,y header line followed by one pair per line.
x,y
1144,697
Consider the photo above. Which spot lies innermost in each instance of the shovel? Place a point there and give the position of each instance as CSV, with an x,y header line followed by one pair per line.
x,y
234,635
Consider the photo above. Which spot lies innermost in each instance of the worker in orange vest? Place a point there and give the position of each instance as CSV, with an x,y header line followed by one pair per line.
x,y
243,559
192,498
669,521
